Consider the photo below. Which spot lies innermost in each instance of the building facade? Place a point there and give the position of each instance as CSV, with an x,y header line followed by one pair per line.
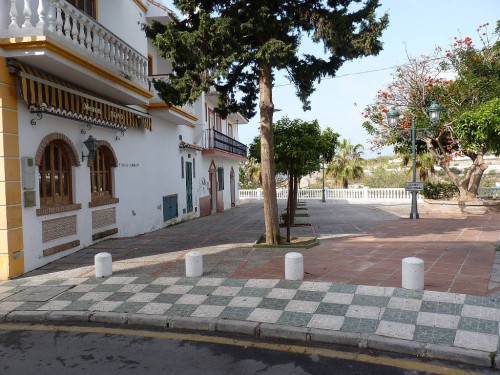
x,y
88,151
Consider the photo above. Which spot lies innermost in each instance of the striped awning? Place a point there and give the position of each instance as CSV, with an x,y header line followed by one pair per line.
x,y
45,93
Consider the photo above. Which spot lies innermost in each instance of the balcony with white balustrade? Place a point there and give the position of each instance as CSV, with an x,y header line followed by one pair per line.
x,y
55,37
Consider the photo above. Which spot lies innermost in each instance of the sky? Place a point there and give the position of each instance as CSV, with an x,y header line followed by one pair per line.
x,y
416,26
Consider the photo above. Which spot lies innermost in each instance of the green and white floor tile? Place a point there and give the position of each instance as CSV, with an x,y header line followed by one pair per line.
x,y
470,322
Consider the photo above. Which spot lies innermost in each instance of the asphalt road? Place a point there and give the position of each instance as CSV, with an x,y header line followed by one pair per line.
x,y
97,350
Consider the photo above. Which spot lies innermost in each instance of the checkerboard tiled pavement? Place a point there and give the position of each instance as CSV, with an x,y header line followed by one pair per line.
x,y
456,320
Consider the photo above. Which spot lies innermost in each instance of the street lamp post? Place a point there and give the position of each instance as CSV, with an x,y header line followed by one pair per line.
x,y
323,199
393,118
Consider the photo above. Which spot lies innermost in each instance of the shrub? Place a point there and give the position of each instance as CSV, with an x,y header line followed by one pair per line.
x,y
439,190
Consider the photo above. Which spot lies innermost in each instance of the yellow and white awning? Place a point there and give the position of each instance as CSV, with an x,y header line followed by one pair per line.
x,y
45,93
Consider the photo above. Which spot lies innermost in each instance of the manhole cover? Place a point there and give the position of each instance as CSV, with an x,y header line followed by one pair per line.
x,y
37,293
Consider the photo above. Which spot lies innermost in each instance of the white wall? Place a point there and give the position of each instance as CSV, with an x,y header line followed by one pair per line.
x,y
148,169
149,163
225,163
160,65
4,14
124,18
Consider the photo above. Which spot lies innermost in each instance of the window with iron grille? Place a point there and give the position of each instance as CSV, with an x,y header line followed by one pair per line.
x,y
100,173
55,175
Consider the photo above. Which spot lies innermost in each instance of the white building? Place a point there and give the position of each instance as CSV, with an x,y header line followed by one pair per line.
x,y
87,149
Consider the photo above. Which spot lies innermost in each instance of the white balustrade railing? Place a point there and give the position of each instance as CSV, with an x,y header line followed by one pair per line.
x,y
365,194
65,23
489,192
387,194
251,194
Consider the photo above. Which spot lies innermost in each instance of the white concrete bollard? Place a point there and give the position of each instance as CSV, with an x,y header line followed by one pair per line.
x,y
194,264
103,265
294,266
412,273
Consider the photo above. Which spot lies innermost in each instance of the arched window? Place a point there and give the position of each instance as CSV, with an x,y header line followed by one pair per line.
x,y
55,175
100,173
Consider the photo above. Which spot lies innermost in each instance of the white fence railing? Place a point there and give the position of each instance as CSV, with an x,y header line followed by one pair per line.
x,y
365,194
387,194
489,192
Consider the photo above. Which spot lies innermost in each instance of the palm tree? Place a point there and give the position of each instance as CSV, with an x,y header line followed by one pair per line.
x,y
424,163
347,163
250,177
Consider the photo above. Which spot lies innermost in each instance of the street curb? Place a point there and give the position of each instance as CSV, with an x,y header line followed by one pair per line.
x,y
27,316
238,326
335,337
469,356
3,314
148,320
284,332
395,345
263,330
109,317
69,316
201,324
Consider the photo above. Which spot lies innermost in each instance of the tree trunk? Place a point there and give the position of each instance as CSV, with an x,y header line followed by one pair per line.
x,y
469,186
293,204
289,207
295,197
266,107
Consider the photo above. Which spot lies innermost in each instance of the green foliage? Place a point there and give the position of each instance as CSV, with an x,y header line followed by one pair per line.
x,y
299,146
469,125
480,127
439,190
424,163
383,178
224,44
250,174
347,164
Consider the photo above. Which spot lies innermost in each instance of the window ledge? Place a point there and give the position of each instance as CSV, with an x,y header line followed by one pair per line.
x,y
58,209
103,201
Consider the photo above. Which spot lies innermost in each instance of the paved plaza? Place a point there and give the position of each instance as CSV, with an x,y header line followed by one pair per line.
x,y
359,244
351,293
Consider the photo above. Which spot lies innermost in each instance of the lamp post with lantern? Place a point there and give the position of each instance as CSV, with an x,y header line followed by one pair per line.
x,y
323,197
434,111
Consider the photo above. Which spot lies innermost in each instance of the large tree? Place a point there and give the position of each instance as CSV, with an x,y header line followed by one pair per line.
x,y
300,148
470,122
236,46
